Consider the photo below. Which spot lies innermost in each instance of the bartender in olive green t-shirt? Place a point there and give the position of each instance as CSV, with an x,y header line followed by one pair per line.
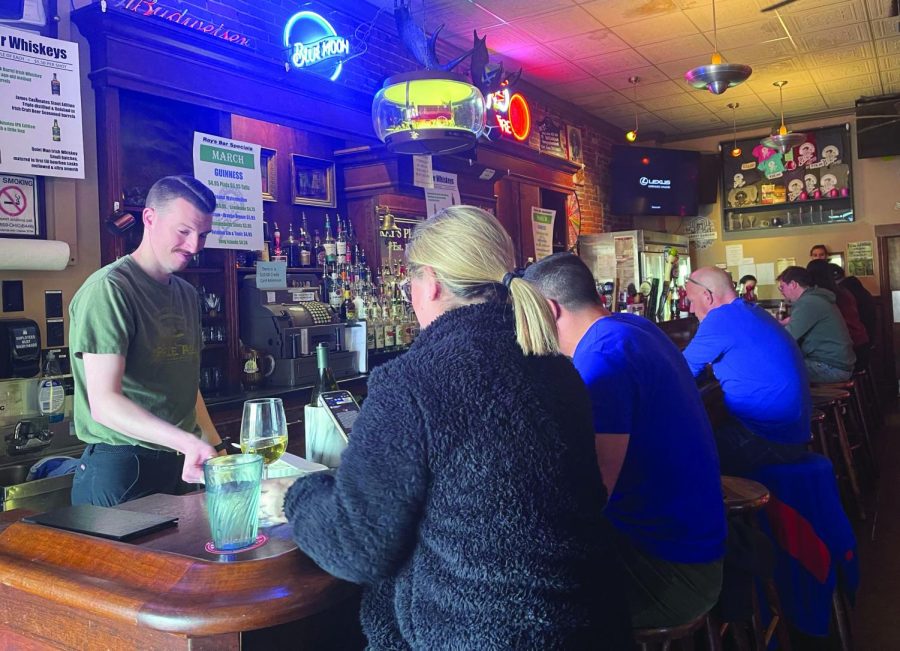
x,y
135,338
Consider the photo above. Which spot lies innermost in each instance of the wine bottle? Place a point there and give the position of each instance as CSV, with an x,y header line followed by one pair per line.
x,y
330,244
326,381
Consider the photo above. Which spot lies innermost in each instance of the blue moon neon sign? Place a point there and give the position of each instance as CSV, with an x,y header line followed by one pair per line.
x,y
312,40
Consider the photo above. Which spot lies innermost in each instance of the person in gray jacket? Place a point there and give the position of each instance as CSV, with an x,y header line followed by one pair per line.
x,y
817,325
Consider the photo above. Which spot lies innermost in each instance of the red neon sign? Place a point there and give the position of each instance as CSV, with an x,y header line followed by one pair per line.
x,y
511,113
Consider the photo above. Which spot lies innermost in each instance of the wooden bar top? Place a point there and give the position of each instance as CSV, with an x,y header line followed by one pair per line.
x,y
160,591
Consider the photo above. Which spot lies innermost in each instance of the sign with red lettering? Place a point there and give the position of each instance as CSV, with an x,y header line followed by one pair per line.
x,y
511,114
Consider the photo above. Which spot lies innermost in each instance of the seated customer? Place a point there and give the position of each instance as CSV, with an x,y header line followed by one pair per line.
x,y
654,445
865,302
820,274
818,327
761,372
748,288
466,500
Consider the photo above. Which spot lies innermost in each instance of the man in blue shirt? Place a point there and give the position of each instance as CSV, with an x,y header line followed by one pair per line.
x,y
761,372
654,445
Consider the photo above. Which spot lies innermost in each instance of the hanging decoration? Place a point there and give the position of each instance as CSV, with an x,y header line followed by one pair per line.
x,y
717,77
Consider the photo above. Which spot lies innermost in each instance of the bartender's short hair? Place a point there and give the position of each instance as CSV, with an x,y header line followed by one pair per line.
x,y
169,188
818,246
566,279
796,274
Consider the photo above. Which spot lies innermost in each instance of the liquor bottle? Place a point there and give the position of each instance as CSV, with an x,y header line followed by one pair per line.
x,y
54,85
326,381
293,248
276,243
330,244
305,253
376,325
782,311
370,325
319,251
266,253
56,132
341,243
390,328
335,294
348,308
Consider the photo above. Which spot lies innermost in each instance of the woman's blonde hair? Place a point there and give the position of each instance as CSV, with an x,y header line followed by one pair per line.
x,y
471,253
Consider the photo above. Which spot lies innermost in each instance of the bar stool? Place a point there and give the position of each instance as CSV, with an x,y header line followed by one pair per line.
x,y
818,440
832,402
744,498
651,639
859,415
865,380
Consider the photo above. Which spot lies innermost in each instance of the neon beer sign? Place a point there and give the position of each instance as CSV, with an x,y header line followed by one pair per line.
x,y
311,40
511,113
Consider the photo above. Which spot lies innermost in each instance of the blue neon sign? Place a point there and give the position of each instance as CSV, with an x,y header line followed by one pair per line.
x,y
312,40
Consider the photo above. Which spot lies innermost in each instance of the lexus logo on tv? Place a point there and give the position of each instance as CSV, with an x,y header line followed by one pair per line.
x,y
656,184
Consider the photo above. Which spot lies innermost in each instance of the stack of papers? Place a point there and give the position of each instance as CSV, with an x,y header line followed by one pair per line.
x,y
290,465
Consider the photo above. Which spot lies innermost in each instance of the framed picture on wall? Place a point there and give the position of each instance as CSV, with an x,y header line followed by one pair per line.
x,y
312,181
576,152
836,257
268,171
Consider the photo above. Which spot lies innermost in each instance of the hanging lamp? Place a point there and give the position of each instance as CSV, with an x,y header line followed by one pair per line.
x,y
735,150
717,77
784,140
632,135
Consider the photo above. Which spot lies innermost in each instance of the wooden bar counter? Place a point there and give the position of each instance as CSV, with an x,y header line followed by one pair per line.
x,y
63,590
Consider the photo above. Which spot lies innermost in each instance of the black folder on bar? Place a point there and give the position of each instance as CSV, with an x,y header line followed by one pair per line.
x,y
103,521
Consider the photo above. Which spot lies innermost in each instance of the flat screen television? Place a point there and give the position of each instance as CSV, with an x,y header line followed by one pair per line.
x,y
651,181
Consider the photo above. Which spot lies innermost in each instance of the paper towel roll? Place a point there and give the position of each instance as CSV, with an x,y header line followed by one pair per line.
x,y
36,255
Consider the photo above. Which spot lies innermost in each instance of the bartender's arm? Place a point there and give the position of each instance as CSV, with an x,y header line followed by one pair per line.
x,y
109,407
208,430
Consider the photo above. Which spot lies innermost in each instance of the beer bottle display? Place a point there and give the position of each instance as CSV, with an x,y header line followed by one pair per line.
x,y
54,85
57,136
330,244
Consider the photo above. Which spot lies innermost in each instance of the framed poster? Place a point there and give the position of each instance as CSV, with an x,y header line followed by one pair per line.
x,y
575,140
312,181
269,173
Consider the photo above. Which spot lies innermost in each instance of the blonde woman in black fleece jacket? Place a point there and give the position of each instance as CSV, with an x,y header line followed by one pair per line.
x,y
468,502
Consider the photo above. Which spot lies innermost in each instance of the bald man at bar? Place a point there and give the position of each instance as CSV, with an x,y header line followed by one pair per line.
x,y
760,369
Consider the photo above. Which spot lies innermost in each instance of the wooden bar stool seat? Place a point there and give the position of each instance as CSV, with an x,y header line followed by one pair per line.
x,y
663,638
743,499
861,416
831,401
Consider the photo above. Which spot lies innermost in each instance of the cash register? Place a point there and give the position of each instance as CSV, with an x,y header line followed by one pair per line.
x,y
288,324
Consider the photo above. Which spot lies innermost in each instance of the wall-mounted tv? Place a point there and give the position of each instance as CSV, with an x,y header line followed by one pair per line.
x,y
651,181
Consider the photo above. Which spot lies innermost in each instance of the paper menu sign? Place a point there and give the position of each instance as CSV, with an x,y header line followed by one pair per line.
x,y
436,199
542,228
423,173
230,168
734,254
40,106
765,273
783,263
271,275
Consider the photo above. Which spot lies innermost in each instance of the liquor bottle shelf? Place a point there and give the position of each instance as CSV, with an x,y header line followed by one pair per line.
x,y
290,270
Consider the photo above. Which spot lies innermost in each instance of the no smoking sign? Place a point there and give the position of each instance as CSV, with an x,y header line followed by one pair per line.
x,y
18,214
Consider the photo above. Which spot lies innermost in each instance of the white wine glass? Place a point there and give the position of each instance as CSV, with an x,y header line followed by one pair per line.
x,y
264,430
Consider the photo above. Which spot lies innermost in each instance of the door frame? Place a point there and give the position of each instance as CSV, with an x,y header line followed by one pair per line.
x,y
882,234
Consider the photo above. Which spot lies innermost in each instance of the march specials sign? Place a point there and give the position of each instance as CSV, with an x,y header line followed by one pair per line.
x,y
314,44
231,170
542,228
40,106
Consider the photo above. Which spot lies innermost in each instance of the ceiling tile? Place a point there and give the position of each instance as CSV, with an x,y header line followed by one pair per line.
x,y
759,32
851,69
791,70
891,62
805,106
607,64
530,56
861,82
885,28
610,98
559,24
695,45
675,69
887,46
694,112
660,89
838,56
660,104
728,14
655,30
572,90
880,9
758,53
831,38
842,100
619,12
891,77
821,18
558,73
510,11
593,43
619,79
799,6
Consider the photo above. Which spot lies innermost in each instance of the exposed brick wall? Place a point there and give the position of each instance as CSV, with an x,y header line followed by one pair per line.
x,y
262,22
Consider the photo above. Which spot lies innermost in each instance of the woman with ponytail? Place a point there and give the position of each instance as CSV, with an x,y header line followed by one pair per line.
x,y
468,502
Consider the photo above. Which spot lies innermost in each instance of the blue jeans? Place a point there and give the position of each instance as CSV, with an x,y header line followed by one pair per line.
x,y
741,451
821,372
111,474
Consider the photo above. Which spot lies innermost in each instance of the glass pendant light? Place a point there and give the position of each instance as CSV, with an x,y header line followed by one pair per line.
x,y
784,140
735,150
717,77
631,136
